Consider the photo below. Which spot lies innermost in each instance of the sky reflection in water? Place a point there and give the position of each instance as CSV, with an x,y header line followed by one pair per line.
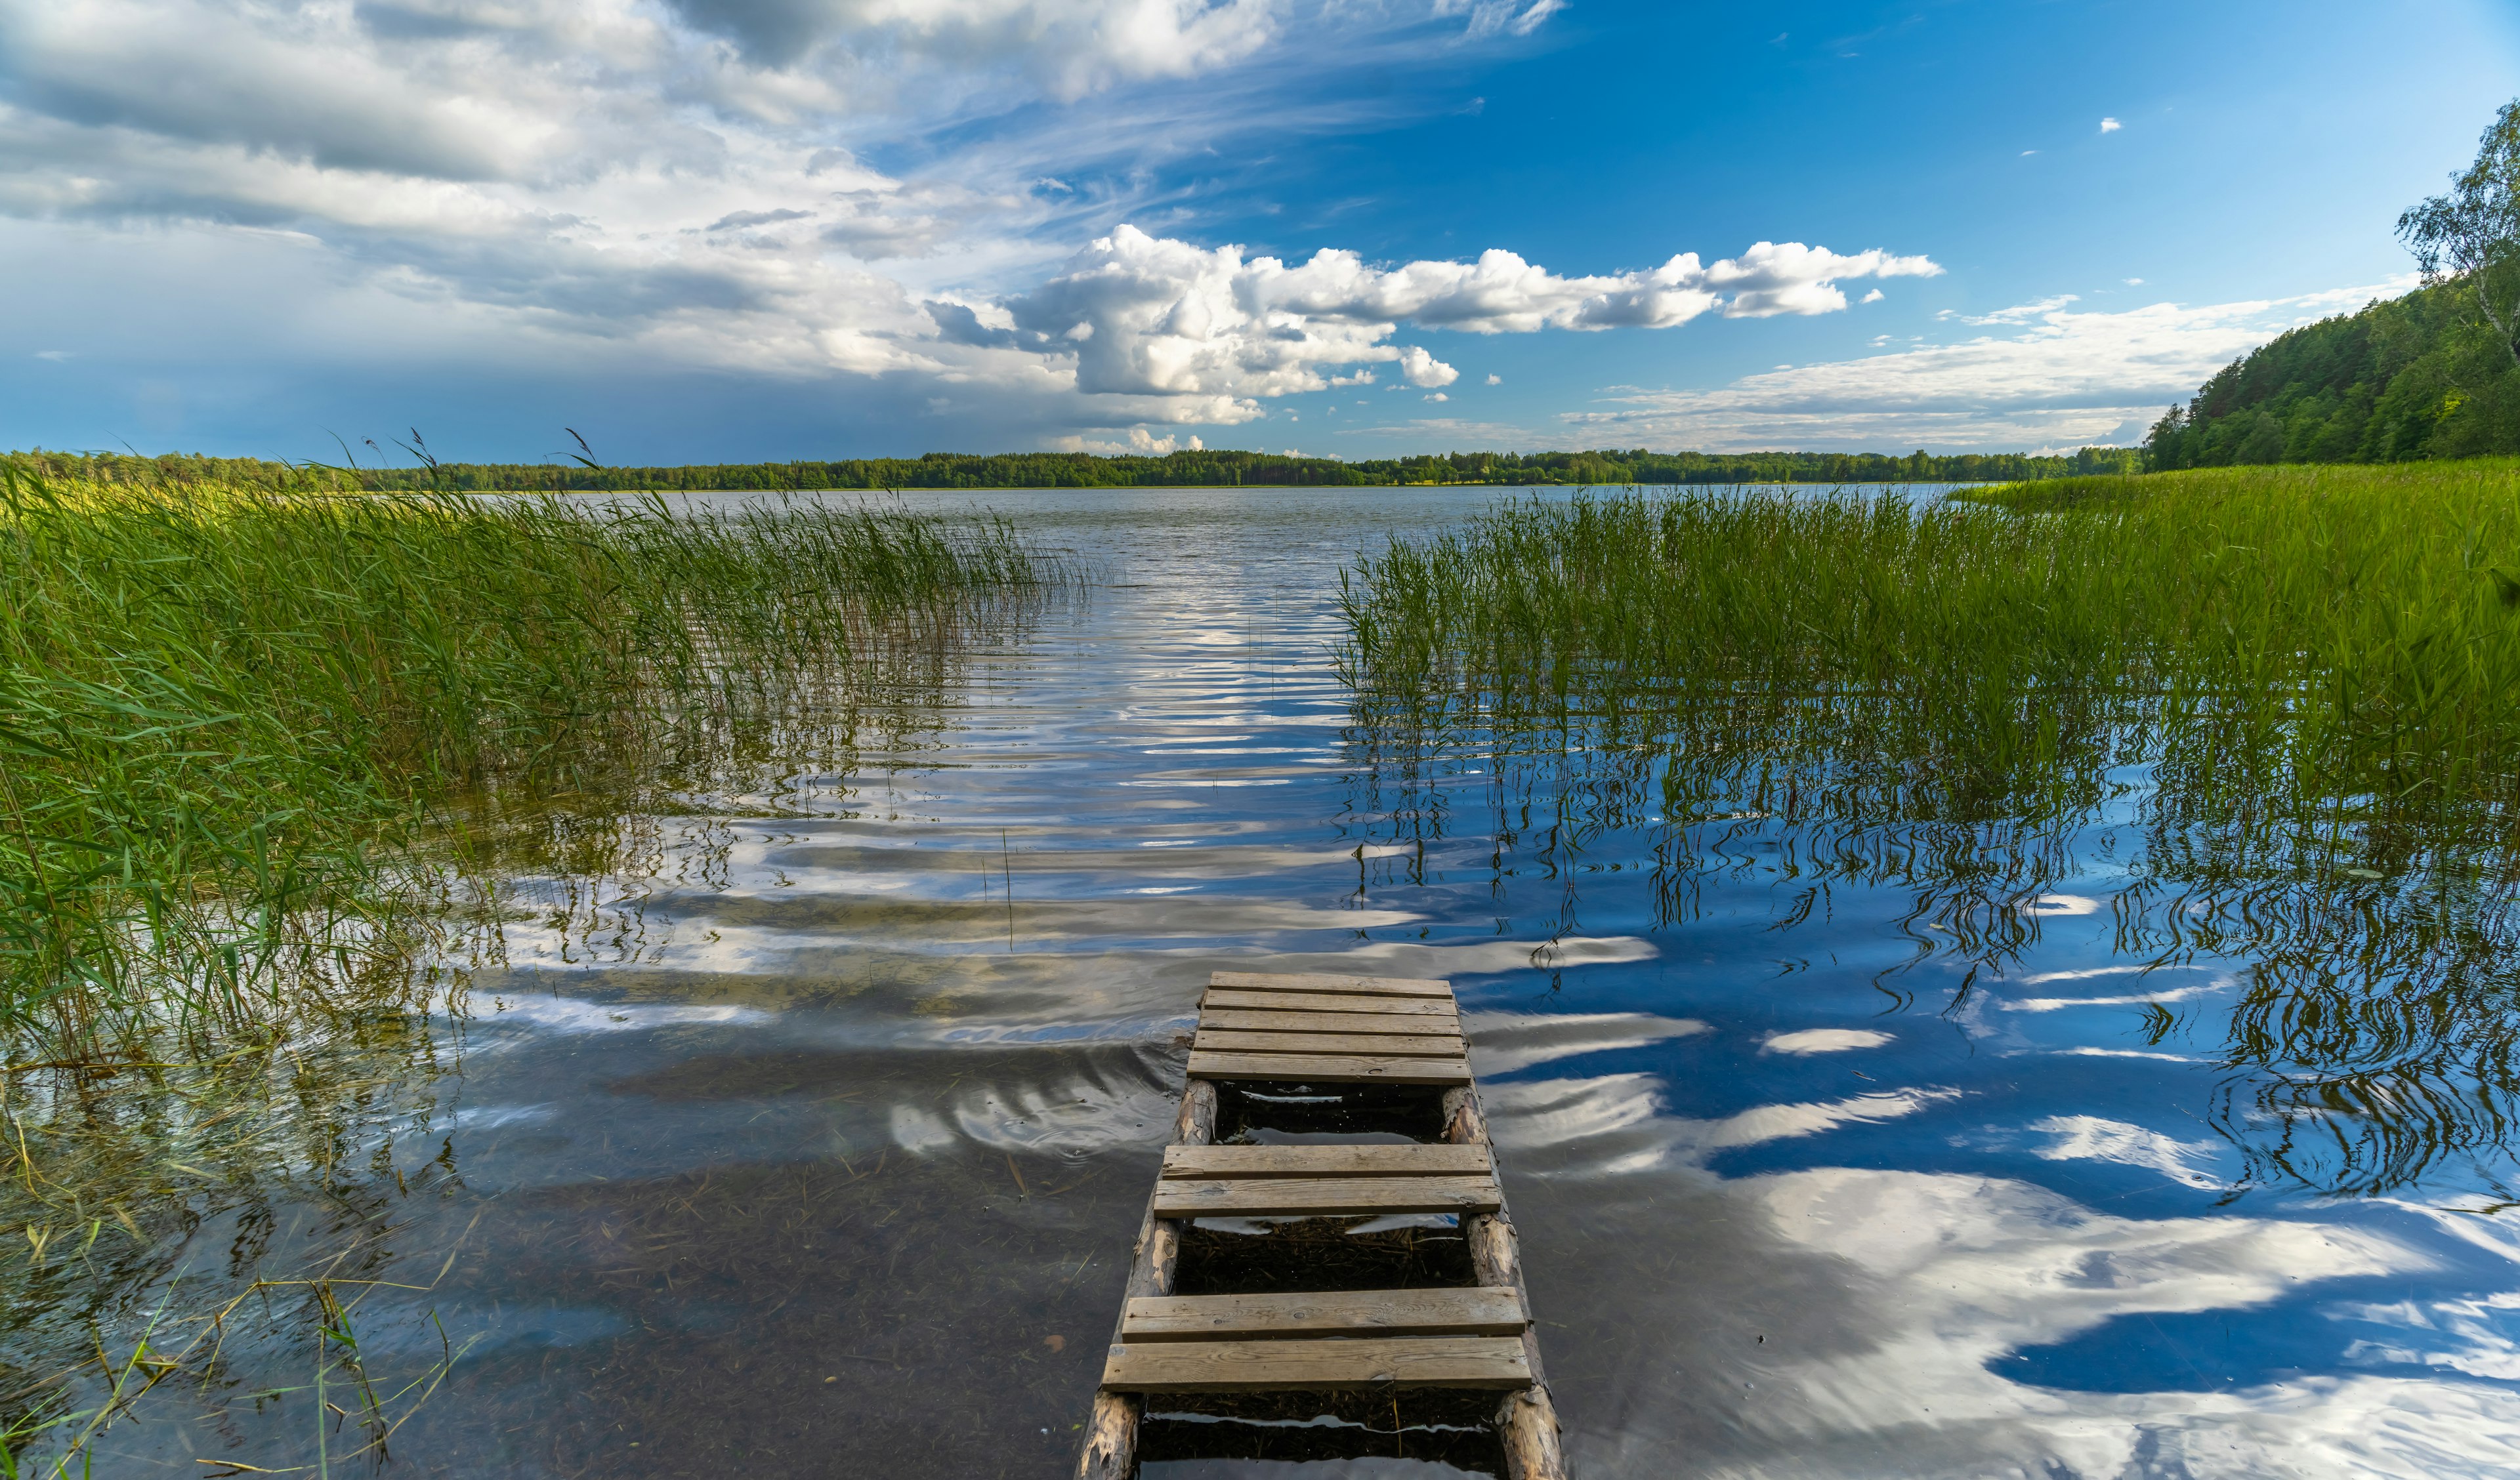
x,y
791,1158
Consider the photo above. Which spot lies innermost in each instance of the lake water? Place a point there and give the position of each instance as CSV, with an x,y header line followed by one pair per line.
x,y
820,1151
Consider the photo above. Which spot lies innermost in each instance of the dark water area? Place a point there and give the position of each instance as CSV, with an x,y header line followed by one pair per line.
x,y
816,1144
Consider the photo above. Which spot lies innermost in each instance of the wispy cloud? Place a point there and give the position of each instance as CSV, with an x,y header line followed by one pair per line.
x,y
2058,378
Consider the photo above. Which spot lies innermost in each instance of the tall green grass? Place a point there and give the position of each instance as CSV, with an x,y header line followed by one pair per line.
x,y
232,719
2281,706
2347,635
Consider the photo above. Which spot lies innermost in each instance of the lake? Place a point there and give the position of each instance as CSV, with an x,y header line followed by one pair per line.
x,y
814,1144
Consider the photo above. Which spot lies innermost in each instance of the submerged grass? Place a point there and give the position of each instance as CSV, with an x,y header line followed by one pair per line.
x,y
2282,705
271,767
230,717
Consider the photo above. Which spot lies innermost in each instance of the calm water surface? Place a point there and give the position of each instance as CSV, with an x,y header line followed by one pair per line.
x,y
820,1153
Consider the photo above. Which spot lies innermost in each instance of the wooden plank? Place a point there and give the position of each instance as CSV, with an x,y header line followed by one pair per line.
x,y
1323,1196
1234,1366
1353,1068
1433,1160
1391,1044
1304,1002
1450,1312
1239,1020
1353,986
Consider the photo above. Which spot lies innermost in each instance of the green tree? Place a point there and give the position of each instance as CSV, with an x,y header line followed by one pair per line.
x,y
2473,233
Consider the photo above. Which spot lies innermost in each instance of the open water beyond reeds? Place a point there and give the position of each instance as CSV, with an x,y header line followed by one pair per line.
x,y
805,1133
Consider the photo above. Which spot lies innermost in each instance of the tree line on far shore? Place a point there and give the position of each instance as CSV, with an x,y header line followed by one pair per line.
x,y
1196,468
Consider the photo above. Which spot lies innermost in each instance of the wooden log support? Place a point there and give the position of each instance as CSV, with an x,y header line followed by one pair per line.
x,y
1327,1030
1111,1433
1526,1420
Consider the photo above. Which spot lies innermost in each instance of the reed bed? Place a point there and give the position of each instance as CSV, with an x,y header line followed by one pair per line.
x,y
270,764
231,719
2348,636
2281,706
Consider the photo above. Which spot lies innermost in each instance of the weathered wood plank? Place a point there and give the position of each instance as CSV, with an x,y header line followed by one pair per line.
x,y
1231,1366
1326,1001
1383,1045
1454,1311
1323,1196
1369,986
1350,1068
1239,1020
1226,1163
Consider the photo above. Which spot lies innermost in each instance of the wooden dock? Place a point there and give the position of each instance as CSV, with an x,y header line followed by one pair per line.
x,y
1325,1036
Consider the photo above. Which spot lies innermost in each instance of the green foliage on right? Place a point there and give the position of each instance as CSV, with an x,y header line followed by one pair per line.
x,y
2432,374
2417,377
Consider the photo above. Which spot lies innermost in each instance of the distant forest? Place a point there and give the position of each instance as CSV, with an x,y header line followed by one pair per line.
x,y
1076,469
2416,377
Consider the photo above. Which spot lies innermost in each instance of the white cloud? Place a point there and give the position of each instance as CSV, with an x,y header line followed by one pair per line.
x,y
2110,125
1496,380
2053,376
2022,313
2088,1138
1424,370
1823,1041
1211,331
686,183
1875,297
1512,18
1139,441
1439,396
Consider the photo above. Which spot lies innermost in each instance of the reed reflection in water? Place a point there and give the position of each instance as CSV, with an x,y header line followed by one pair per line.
x,y
1825,693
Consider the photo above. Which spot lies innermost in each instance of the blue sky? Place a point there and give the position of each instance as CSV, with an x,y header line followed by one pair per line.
x,y
728,230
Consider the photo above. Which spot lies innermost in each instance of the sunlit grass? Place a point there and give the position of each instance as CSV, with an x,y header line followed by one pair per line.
x,y
228,716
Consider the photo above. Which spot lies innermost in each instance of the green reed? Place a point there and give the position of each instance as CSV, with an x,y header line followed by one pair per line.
x,y
230,719
2344,635
2282,705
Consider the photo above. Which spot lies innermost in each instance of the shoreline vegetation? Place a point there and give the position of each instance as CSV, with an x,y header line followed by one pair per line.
x,y
1195,468
278,769
2278,708
240,728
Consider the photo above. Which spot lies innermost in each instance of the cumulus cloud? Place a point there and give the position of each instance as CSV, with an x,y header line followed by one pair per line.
x,y
1152,316
2053,376
1423,370
2110,125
